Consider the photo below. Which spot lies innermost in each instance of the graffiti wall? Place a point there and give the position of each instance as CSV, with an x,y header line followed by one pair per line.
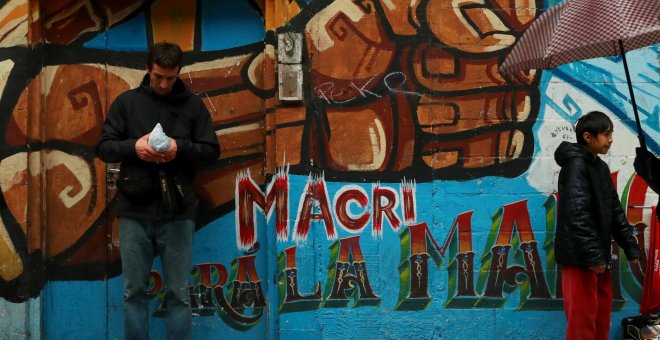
x,y
405,189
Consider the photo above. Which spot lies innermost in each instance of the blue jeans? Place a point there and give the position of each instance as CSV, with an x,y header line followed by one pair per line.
x,y
140,241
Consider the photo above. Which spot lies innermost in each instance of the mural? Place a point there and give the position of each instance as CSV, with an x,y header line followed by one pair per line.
x,y
411,184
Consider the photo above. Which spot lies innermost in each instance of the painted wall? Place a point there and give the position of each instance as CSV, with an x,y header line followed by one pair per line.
x,y
410,193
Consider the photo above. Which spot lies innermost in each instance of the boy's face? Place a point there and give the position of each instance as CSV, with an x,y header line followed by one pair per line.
x,y
600,143
162,79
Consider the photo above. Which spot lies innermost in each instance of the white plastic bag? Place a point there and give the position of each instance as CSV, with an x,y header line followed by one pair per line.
x,y
158,139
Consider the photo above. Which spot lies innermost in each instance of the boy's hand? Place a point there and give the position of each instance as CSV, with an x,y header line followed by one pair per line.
x,y
598,269
634,262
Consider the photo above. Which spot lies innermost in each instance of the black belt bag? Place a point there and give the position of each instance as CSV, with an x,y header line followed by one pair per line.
x,y
172,192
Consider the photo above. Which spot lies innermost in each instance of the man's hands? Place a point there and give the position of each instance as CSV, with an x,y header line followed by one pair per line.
x,y
171,152
148,154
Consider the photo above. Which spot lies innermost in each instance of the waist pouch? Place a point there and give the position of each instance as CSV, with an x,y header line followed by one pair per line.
x,y
172,192
141,185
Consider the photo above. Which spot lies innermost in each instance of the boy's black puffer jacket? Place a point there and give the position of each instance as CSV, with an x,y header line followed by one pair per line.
x,y
589,211
184,118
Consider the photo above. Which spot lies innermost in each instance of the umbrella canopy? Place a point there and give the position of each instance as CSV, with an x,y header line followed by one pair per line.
x,y
584,29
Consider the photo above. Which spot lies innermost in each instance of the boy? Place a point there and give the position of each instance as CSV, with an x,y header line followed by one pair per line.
x,y
589,215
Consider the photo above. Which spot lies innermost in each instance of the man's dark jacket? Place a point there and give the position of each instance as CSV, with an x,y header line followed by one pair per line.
x,y
648,168
589,211
184,118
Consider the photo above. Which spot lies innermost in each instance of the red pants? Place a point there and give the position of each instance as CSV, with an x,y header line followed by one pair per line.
x,y
587,303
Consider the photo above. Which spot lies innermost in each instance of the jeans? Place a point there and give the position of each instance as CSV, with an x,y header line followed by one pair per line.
x,y
140,241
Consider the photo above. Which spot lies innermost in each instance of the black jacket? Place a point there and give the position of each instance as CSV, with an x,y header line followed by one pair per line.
x,y
648,168
184,118
589,211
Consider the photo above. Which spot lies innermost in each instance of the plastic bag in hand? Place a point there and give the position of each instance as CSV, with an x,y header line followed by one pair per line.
x,y
158,140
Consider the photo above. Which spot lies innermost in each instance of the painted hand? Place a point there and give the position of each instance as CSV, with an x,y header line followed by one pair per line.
x,y
438,104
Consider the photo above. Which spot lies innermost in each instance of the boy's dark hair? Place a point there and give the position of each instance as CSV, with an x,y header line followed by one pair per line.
x,y
594,122
165,54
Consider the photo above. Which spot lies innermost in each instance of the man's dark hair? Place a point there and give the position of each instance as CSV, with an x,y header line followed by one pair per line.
x,y
165,54
594,122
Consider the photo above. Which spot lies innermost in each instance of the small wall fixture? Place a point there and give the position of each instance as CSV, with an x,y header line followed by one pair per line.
x,y
289,68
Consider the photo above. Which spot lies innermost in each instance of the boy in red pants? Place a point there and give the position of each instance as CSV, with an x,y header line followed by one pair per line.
x,y
589,216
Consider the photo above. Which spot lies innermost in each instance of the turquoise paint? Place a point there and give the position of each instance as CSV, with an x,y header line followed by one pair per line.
x,y
226,24
129,36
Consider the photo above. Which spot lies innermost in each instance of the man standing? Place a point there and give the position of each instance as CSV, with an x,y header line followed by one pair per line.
x,y
156,200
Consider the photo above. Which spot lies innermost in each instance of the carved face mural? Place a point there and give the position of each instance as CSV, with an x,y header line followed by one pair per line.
x,y
410,175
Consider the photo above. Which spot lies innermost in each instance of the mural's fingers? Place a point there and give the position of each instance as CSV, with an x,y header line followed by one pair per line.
x,y
229,74
359,138
227,87
440,70
377,135
476,130
484,149
468,25
460,114
347,45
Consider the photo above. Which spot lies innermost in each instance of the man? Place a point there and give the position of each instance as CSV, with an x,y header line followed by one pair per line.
x,y
648,168
156,199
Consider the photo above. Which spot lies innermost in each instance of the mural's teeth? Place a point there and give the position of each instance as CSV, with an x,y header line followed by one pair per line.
x,y
12,265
